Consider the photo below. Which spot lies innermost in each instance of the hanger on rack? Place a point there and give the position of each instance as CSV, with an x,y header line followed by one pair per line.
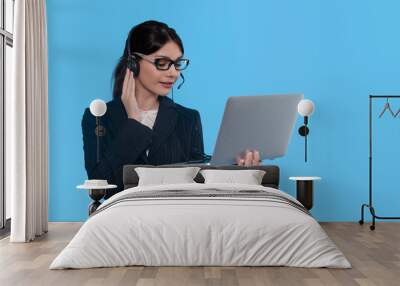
x,y
387,107
397,113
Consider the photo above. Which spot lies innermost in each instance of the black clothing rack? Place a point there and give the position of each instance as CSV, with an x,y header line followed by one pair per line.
x,y
370,205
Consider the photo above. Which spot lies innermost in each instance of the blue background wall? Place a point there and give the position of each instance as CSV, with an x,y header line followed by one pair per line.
x,y
335,52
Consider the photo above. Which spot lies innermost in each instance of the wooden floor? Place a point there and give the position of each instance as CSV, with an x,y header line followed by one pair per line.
x,y
374,255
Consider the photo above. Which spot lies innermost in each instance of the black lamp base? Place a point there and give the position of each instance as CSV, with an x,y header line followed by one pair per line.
x,y
303,130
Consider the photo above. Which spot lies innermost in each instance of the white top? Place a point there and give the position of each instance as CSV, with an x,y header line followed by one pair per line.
x,y
148,117
304,178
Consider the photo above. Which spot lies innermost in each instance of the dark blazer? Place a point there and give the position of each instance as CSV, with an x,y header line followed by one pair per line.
x,y
176,137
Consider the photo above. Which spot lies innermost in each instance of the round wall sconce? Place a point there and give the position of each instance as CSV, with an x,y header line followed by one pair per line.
x,y
305,108
98,108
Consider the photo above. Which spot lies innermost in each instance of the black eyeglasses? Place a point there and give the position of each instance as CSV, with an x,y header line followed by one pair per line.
x,y
164,64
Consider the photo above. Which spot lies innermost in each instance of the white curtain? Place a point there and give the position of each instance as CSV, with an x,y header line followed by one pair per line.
x,y
27,124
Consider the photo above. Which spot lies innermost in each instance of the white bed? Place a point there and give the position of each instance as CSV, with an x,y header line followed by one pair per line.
x,y
252,225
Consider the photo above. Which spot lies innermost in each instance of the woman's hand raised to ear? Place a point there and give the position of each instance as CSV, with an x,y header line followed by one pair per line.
x,y
128,97
248,158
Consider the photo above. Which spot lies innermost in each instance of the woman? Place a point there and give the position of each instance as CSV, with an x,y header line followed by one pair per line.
x,y
142,125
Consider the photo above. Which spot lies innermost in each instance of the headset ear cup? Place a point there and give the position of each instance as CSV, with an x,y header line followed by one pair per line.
x,y
133,65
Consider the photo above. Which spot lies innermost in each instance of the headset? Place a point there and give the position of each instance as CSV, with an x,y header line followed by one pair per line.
x,y
132,61
133,64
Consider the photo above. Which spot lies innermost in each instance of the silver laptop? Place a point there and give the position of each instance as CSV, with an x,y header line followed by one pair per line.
x,y
264,123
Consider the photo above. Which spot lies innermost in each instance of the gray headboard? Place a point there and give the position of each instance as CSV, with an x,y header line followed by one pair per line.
x,y
270,179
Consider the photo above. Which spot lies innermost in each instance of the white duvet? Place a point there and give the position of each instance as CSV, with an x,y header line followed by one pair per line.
x,y
200,231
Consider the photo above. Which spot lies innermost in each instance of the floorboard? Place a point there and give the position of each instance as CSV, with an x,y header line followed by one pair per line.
x,y
374,255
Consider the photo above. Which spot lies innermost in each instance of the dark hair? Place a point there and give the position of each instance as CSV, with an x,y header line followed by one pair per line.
x,y
146,38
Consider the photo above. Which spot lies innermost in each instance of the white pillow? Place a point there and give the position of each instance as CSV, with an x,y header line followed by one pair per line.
x,y
163,176
249,177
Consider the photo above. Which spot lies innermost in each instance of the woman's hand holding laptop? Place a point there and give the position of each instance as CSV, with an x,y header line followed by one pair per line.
x,y
248,158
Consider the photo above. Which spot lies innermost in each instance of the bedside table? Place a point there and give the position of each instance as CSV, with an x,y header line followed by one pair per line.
x,y
304,190
97,189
